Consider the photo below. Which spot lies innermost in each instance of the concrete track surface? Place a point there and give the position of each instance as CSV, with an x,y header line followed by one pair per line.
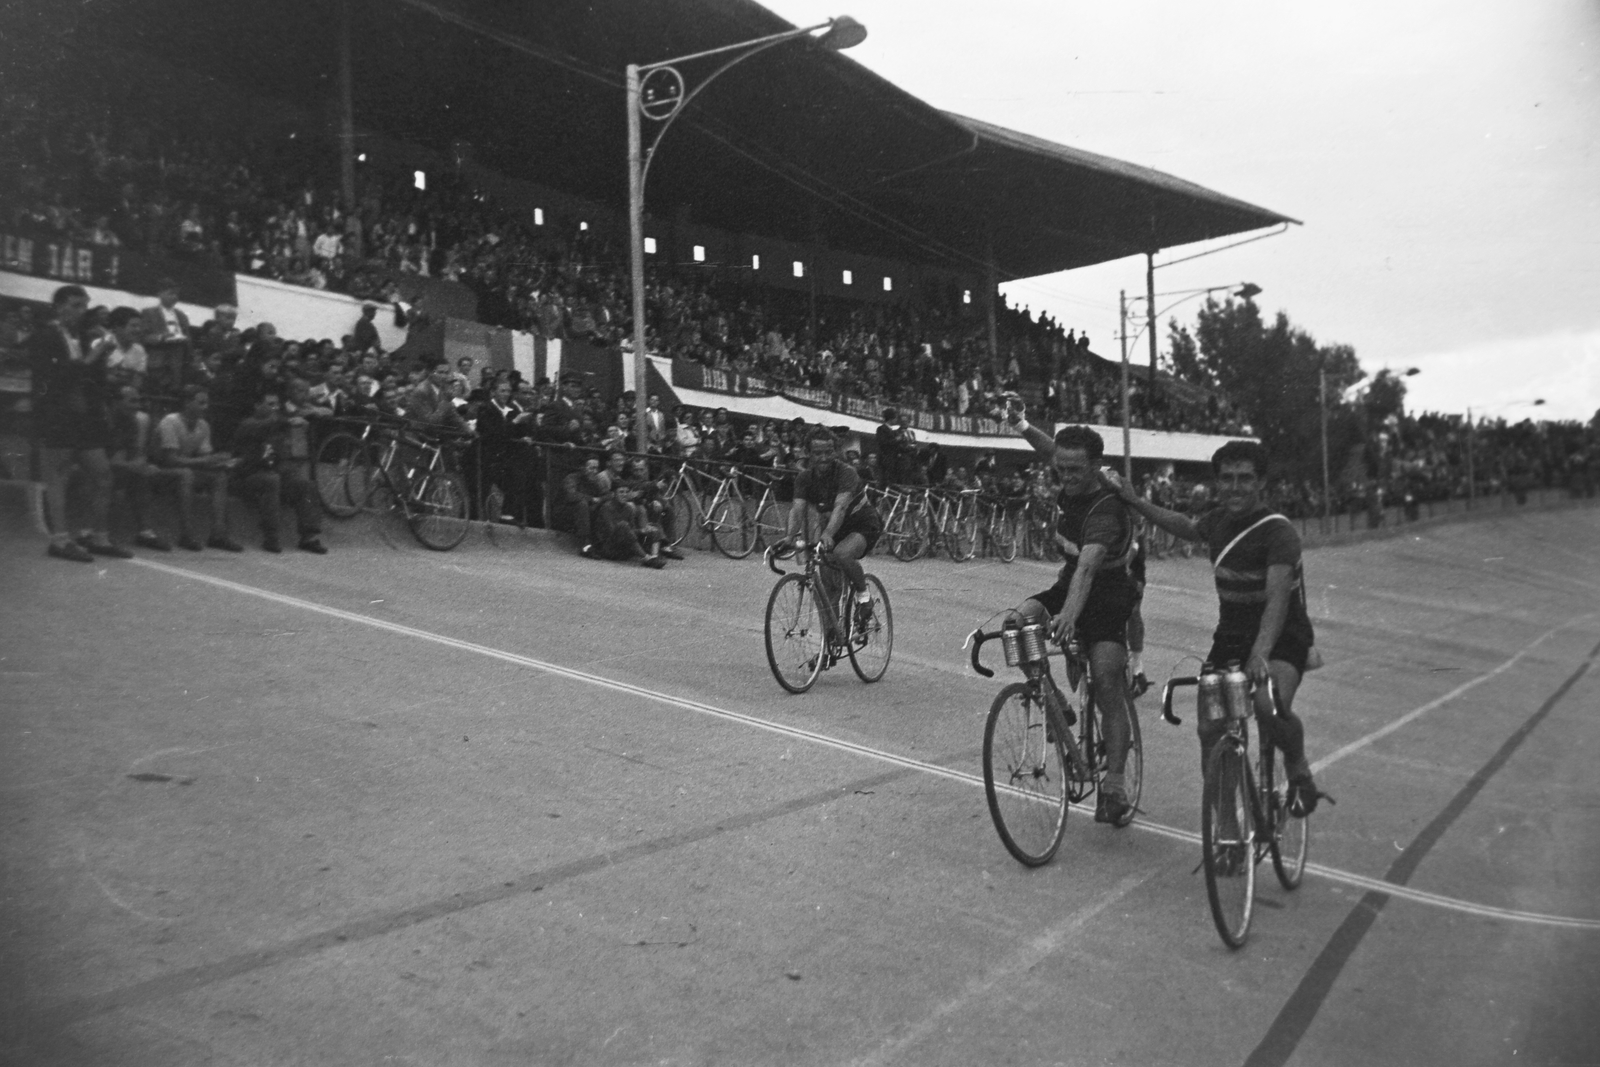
x,y
509,806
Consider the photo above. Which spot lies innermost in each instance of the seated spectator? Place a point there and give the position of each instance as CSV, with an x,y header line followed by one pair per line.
x,y
584,490
269,478
183,445
617,531
131,469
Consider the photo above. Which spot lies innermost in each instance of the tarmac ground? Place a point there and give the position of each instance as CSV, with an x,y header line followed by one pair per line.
x,y
506,805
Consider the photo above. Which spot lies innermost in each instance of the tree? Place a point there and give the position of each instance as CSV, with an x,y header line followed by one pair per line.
x,y
1271,373
1183,357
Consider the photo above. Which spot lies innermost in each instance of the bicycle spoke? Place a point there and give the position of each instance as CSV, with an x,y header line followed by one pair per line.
x,y
1024,776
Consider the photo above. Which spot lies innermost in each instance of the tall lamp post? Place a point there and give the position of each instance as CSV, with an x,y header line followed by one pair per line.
x,y
657,91
1244,290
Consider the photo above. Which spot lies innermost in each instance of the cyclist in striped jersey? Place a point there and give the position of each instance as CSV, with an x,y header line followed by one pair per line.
x,y
1262,622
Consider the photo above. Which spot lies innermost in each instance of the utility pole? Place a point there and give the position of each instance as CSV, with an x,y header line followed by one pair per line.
x,y
1127,434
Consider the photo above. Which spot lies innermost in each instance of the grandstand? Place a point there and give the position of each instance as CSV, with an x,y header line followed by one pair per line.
x,y
898,219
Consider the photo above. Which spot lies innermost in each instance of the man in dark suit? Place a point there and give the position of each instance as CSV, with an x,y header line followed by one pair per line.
x,y
168,338
70,421
431,401
503,433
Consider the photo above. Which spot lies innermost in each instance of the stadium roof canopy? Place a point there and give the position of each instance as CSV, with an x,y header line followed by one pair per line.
x,y
799,143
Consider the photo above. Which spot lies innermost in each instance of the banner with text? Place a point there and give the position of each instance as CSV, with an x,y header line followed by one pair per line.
x,y
49,255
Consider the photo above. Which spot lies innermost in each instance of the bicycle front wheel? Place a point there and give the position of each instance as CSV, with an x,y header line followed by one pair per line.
x,y
872,633
1005,537
1227,841
1133,769
1024,776
330,471
1291,836
366,483
732,529
438,511
796,639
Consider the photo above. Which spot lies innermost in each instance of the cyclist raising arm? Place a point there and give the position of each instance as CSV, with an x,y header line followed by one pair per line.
x,y
1262,619
1093,596
851,526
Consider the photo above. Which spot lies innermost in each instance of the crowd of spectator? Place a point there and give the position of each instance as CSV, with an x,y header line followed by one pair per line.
x,y
270,207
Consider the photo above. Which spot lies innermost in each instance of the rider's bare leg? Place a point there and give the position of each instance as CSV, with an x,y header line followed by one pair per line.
x,y
1110,661
847,554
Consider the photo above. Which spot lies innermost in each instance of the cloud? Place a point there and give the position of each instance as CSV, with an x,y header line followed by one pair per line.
x,y
1502,378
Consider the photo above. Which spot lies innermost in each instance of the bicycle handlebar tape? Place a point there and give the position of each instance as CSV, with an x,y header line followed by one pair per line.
x,y
978,637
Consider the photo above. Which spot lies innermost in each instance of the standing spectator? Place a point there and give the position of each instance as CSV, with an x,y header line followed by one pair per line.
x,y
431,401
503,429
167,336
183,444
69,417
260,445
364,336
128,358
661,427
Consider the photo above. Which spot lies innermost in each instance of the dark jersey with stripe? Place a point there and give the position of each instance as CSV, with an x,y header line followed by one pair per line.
x,y
1241,575
1097,518
821,486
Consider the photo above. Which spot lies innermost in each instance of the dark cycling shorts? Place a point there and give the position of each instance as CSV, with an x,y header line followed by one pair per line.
x,y
865,522
1291,649
1105,614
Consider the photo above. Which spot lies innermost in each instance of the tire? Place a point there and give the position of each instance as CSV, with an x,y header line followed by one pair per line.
x,y
771,524
796,641
330,470
870,649
1291,837
733,531
963,543
1133,770
1227,841
438,514
682,510
1024,776
1005,537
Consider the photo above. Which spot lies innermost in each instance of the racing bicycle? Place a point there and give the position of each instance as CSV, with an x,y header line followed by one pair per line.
x,y
813,621
1244,812
1043,748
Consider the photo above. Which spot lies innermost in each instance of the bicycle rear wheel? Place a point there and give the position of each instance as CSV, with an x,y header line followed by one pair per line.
x,y
733,531
1005,537
796,638
1291,837
1133,769
438,511
367,483
913,536
1024,776
872,644
682,507
962,543
1227,841
329,473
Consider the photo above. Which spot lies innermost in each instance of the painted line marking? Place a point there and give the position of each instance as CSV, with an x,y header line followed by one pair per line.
x,y
839,744
1416,713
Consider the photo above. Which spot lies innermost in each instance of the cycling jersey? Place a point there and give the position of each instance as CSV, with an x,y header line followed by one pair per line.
x,y
821,486
1240,570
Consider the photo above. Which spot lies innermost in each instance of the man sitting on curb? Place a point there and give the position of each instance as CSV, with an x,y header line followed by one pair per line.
x,y
183,445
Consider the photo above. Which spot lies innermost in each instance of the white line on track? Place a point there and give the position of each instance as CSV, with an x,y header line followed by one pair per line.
x,y
1332,874
1415,713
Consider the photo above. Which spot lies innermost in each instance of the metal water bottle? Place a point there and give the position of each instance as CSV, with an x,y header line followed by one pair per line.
x,y
1211,706
1236,691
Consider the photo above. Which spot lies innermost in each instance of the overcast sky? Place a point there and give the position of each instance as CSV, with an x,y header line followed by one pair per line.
x,y
1442,155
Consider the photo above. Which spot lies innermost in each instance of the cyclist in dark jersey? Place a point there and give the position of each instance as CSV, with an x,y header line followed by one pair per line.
x,y
850,525
1093,595
1262,622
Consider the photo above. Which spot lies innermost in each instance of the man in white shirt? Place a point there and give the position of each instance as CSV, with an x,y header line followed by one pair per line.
x,y
183,444
128,357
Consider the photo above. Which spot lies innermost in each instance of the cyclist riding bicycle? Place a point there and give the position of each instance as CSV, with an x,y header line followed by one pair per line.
x,y
850,525
1093,595
1262,622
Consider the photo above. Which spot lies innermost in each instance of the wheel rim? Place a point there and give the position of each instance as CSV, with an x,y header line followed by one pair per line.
x,y
439,514
871,646
1228,839
795,639
1024,777
1291,840
1133,770
732,531
332,475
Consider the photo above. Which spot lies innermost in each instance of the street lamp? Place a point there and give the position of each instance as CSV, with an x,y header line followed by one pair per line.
x,y
1322,404
1244,290
1472,479
656,91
